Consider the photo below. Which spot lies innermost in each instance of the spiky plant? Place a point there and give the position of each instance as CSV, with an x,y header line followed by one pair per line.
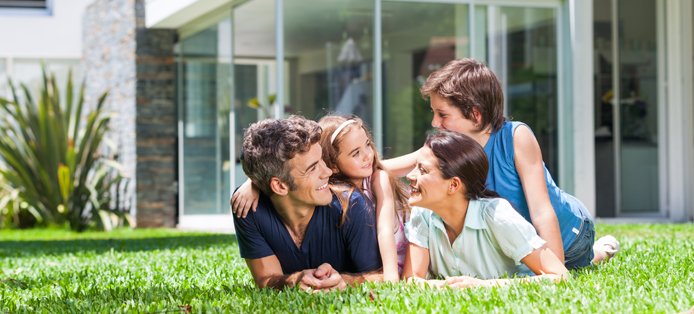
x,y
55,160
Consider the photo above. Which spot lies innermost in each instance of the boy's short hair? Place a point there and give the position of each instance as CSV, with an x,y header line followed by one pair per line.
x,y
467,84
270,143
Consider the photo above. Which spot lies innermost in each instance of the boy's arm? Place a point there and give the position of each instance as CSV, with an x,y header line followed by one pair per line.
x,y
400,166
385,224
528,160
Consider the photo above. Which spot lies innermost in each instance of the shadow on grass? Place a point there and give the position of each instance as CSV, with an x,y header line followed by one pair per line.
x,y
152,299
31,248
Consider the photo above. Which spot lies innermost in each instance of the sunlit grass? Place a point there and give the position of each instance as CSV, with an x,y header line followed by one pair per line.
x,y
160,271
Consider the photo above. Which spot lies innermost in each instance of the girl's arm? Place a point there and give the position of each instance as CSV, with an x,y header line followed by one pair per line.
x,y
543,262
244,199
400,166
528,159
385,224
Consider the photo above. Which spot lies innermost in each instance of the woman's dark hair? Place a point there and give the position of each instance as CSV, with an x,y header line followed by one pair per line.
x,y
460,156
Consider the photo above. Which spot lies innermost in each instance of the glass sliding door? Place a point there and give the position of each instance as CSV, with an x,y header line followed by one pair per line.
x,y
418,38
518,43
523,54
329,51
204,98
627,102
254,78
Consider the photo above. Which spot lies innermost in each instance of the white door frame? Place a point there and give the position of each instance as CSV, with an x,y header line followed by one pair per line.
x,y
679,113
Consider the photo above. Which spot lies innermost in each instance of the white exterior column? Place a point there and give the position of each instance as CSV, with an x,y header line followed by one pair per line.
x,y
679,134
581,105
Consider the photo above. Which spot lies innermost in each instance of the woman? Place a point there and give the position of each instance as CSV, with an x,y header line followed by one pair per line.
x,y
468,235
466,98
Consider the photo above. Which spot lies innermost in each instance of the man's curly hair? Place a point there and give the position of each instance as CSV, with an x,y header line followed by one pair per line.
x,y
270,143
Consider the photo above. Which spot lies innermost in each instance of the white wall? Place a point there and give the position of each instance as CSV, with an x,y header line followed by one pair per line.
x,y
580,39
58,35
177,13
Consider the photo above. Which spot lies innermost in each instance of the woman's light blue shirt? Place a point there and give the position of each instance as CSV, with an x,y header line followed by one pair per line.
x,y
494,240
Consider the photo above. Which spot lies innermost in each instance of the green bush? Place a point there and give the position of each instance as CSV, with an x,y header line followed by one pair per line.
x,y
9,204
55,165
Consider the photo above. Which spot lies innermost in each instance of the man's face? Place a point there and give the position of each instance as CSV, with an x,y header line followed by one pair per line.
x,y
310,176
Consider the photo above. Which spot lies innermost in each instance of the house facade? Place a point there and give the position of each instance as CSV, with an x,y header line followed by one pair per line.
x,y
33,32
605,85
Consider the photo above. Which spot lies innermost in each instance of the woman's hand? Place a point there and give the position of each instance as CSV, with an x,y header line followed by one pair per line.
x,y
466,282
244,199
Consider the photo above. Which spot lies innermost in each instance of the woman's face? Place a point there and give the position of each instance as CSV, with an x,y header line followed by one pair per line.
x,y
428,187
449,117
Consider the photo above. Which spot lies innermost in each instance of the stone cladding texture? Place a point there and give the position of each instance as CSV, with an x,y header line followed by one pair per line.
x,y
136,65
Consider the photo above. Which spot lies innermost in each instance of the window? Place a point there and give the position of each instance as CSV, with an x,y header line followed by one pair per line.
x,y
26,7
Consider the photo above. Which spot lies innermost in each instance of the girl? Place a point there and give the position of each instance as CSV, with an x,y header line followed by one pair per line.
x,y
468,235
466,98
350,153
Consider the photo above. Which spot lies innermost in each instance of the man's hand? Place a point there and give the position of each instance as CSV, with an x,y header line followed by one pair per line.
x,y
323,278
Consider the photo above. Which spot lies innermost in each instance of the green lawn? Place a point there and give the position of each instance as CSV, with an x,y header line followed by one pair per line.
x,y
168,271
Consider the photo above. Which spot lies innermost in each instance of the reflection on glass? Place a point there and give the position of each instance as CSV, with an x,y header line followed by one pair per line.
x,y
638,106
527,68
631,118
205,108
418,38
519,45
604,146
329,57
254,78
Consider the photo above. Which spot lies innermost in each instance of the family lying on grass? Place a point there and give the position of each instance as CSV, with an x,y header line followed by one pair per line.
x,y
322,211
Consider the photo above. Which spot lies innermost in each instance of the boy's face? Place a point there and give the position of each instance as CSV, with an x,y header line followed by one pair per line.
x,y
310,176
449,117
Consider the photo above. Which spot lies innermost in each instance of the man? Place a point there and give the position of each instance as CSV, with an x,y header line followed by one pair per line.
x,y
294,237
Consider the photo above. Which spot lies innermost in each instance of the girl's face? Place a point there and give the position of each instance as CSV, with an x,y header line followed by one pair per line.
x,y
449,117
428,187
356,158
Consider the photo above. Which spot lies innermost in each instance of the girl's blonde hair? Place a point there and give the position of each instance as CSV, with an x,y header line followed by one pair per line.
x,y
339,184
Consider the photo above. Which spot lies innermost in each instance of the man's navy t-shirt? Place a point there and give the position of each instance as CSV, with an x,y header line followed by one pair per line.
x,y
352,247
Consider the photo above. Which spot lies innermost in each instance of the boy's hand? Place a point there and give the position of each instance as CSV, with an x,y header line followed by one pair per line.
x,y
244,199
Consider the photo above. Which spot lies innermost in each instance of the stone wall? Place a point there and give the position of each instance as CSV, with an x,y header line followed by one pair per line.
x,y
136,65
156,126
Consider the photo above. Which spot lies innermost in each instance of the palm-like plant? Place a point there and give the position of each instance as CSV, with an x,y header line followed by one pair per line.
x,y
54,159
